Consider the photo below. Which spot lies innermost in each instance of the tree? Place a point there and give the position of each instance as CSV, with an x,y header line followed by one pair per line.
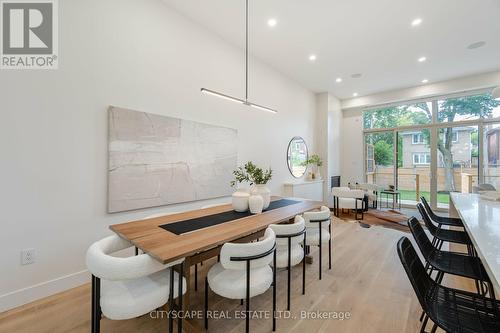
x,y
474,140
468,107
383,153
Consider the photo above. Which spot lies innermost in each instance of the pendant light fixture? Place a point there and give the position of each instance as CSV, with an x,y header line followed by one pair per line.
x,y
235,99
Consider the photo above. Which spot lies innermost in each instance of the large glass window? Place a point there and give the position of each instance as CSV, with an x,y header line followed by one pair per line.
x,y
491,156
413,168
380,158
438,137
395,116
458,161
467,108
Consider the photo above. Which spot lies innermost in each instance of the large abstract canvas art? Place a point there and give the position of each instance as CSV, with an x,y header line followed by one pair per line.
x,y
156,160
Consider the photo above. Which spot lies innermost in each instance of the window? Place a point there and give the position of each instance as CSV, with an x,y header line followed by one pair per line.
x,y
370,158
421,158
454,136
418,138
401,115
470,107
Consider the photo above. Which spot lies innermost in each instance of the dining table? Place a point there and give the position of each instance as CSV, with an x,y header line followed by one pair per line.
x,y
481,219
198,235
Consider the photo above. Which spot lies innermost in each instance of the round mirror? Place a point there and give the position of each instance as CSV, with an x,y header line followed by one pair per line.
x,y
297,155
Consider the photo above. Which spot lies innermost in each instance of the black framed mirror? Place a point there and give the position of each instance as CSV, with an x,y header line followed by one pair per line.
x,y
297,155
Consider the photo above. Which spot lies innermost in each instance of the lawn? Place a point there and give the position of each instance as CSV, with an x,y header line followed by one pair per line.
x,y
411,195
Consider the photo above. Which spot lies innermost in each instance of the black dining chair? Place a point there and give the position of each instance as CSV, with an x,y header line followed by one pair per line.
x,y
441,220
450,309
445,235
445,262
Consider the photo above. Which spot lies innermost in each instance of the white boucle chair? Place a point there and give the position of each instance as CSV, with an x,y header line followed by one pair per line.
x,y
345,198
371,192
244,272
319,231
125,288
289,252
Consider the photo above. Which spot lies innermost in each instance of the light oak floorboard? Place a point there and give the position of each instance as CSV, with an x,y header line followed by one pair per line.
x,y
366,280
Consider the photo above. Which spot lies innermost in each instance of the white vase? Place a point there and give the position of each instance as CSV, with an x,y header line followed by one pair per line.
x,y
255,203
239,200
264,192
318,173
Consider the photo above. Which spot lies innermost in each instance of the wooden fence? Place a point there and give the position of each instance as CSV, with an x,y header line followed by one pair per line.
x,y
418,179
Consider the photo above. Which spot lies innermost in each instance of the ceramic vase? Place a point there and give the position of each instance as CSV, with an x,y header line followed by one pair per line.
x,y
239,200
318,173
255,203
264,192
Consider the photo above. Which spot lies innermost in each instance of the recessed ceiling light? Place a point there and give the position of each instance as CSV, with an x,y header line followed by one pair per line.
x,y
355,95
416,22
312,57
425,81
356,75
476,45
422,59
338,80
272,22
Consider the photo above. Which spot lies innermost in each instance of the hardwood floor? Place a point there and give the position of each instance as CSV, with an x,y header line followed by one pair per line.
x,y
366,280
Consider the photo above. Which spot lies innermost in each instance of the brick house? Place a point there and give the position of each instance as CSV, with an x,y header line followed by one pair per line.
x,y
416,150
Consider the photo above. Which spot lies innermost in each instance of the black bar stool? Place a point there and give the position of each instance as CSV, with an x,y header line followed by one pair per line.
x,y
450,309
449,262
441,220
445,235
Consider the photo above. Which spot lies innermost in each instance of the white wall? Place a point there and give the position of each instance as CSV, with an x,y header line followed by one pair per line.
x,y
352,147
53,134
328,138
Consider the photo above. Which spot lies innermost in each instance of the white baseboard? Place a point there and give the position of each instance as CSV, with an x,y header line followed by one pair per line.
x,y
38,291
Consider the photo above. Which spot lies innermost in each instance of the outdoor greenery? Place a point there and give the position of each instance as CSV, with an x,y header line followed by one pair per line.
x,y
449,110
313,160
383,153
252,174
443,198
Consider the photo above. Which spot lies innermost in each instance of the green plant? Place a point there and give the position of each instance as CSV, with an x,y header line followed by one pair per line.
x,y
314,160
252,174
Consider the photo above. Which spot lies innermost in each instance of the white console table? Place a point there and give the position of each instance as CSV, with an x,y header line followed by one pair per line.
x,y
306,189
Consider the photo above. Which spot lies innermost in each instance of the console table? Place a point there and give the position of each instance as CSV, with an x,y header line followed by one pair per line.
x,y
312,190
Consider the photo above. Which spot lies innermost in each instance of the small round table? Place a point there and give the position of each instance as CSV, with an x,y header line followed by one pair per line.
x,y
396,198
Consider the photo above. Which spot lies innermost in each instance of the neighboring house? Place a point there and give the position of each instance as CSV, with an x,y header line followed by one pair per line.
x,y
493,144
417,153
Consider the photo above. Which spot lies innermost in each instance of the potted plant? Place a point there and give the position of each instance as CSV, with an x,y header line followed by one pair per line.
x,y
257,178
316,163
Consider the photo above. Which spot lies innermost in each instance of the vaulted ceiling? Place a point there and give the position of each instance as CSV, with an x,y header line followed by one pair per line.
x,y
375,39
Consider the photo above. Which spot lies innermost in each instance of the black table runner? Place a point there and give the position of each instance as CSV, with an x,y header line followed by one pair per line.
x,y
185,226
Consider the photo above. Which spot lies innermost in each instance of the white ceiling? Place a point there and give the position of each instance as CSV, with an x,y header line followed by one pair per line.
x,y
371,37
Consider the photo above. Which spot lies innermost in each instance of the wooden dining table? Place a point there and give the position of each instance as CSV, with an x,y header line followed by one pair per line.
x,y
150,235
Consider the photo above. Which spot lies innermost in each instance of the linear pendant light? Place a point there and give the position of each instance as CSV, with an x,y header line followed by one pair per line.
x,y
235,99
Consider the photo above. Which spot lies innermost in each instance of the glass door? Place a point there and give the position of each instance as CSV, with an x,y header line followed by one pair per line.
x,y
491,154
457,161
413,165
379,158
